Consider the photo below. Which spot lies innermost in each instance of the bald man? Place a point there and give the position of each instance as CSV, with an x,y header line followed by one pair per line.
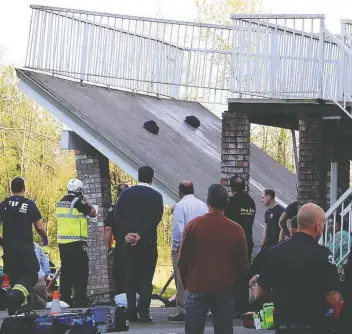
x,y
188,208
302,277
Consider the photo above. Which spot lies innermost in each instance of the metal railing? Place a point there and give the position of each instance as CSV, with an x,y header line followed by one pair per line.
x,y
339,228
267,56
288,56
178,59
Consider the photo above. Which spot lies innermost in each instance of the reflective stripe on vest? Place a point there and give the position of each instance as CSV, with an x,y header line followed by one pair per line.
x,y
72,225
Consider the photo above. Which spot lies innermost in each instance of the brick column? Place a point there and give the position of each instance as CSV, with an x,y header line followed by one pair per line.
x,y
312,162
235,147
93,170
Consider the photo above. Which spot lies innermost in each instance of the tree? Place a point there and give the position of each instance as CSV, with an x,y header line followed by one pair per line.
x,y
219,11
274,141
30,147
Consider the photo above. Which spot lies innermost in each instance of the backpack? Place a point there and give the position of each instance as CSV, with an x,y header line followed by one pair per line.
x,y
267,316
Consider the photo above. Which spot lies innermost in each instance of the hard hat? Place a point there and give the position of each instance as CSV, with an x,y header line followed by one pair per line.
x,y
74,185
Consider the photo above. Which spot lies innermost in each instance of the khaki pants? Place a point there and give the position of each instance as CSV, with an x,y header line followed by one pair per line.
x,y
39,295
181,294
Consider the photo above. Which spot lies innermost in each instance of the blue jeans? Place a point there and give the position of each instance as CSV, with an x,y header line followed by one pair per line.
x,y
197,307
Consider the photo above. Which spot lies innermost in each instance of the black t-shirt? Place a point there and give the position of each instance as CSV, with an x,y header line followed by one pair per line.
x,y
292,210
17,214
272,217
241,209
80,205
300,272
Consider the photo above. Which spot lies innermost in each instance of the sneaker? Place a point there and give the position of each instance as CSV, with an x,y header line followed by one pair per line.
x,y
177,317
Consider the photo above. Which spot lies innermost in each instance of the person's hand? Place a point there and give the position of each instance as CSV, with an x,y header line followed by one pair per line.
x,y
132,238
253,281
45,242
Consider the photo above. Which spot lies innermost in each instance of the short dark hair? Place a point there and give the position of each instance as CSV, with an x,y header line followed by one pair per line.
x,y
269,192
218,197
236,185
120,188
145,174
17,185
186,189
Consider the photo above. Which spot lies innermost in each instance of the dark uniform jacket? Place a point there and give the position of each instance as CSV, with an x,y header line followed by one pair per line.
x,y
241,209
300,273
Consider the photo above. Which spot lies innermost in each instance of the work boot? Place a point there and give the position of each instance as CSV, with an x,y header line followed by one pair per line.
x,y
15,301
177,317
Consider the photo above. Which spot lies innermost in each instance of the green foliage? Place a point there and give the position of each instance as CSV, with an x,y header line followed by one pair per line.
x,y
219,11
30,147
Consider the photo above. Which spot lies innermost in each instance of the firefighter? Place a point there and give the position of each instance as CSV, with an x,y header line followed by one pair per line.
x,y
17,214
72,236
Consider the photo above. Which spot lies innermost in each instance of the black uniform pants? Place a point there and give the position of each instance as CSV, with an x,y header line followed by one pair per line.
x,y
74,271
22,267
140,267
118,268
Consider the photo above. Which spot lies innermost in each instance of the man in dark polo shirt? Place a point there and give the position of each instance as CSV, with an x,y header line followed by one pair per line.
x,y
272,216
213,265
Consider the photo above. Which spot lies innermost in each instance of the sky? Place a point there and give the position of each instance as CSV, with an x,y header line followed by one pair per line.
x,y
15,15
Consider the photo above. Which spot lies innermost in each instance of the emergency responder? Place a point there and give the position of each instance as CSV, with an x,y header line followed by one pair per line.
x,y
17,214
118,252
302,276
241,209
72,236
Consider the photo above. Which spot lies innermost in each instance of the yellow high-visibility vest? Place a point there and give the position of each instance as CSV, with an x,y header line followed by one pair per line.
x,y
72,225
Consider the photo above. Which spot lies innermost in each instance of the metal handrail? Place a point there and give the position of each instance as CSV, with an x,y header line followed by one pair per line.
x,y
338,203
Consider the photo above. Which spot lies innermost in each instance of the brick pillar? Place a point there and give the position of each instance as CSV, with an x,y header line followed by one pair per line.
x,y
93,170
312,171
235,147
343,176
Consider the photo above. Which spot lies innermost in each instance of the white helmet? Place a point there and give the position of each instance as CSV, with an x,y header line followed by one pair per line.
x,y
74,186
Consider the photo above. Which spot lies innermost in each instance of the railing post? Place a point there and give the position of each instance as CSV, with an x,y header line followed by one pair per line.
x,y
273,63
321,59
341,79
84,53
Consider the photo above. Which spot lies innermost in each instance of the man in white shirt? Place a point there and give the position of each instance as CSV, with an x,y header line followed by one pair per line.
x,y
186,210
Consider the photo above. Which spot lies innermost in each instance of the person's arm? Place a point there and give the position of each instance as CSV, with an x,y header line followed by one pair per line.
x,y
331,280
41,231
108,222
185,255
282,221
92,212
44,262
264,236
178,226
